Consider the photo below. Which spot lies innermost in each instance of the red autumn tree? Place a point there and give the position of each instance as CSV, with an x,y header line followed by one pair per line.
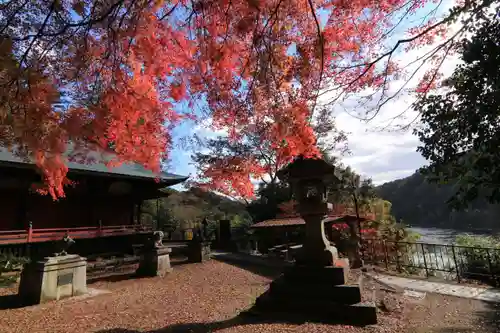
x,y
228,166
113,74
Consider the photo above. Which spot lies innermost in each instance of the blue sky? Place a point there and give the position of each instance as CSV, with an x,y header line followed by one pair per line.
x,y
383,156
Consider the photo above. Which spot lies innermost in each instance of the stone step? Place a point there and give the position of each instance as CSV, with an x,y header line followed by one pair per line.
x,y
345,294
359,314
322,275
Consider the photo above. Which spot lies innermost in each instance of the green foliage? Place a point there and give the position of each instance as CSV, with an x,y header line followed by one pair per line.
x,y
460,130
181,210
349,189
479,257
478,241
390,230
269,197
8,264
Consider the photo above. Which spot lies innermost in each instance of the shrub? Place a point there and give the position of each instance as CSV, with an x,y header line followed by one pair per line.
x,y
479,258
10,263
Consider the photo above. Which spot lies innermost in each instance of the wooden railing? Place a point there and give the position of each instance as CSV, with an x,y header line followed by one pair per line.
x,y
32,235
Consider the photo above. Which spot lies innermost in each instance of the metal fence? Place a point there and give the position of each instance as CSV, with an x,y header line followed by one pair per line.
x,y
449,262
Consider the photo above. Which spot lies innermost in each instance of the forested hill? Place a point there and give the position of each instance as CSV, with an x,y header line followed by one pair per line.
x,y
419,203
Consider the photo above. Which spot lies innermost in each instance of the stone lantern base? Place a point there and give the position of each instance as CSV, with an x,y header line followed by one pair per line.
x,y
316,294
155,261
53,278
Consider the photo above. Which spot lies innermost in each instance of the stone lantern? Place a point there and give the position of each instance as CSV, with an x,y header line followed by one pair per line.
x,y
314,288
309,179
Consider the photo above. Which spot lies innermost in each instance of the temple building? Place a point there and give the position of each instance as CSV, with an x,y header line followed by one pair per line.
x,y
104,202
290,228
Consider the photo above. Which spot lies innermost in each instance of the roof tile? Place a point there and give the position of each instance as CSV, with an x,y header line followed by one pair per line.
x,y
295,221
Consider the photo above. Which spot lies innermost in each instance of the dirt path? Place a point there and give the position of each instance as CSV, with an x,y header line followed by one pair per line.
x,y
196,296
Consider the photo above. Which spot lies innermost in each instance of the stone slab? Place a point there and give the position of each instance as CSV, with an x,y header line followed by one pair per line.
x,y
415,295
345,294
328,312
491,295
322,275
478,293
249,259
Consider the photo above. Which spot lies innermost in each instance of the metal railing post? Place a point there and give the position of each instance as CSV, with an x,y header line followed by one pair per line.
x,y
425,260
490,265
398,267
456,263
386,255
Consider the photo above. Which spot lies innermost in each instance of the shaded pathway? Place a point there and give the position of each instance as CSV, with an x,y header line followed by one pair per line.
x,y
477,293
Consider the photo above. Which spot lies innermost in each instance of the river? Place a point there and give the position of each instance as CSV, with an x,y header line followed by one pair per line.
x,y
438,259
443,236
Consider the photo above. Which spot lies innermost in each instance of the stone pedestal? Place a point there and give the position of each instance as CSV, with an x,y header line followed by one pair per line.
x,y
199,251
53,278
155,261
316,294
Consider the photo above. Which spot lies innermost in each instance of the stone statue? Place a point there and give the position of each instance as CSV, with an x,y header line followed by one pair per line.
x,y
158,239
64,245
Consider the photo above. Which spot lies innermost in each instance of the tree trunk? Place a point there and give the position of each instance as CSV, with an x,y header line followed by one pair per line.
x,y
356,261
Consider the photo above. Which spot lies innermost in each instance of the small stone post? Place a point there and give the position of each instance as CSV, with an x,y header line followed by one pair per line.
x,y
155,257
205,229
199,249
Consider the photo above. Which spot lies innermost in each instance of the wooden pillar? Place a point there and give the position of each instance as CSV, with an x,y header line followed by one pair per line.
x,y
21,222
132,213
158,224
91,201
138,212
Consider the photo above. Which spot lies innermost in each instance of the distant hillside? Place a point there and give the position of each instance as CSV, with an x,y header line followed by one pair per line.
x,y
182,209
419,203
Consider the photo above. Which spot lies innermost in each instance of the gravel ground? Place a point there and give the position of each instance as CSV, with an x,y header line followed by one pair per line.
x,y
207,297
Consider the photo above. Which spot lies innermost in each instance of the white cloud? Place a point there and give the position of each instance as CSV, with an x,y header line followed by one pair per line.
x,y
376,151
204,129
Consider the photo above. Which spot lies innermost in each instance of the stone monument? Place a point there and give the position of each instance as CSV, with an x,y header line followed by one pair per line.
x,y
155,257
198,248
204,224
315,287
59,276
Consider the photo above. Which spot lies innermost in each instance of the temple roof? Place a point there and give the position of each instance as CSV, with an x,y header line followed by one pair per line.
x,y
296,221
98,166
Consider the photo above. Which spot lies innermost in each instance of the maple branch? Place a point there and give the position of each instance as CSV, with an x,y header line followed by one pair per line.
x,y
168,13
432,12
322,46
89,22
400,42
424,59
9,20
254,41
390,31
46,20
428,85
